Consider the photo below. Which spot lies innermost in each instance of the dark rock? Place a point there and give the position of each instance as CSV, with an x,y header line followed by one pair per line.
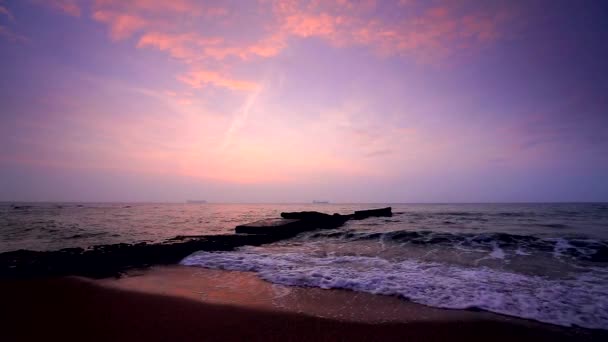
x,y
382,212
110,260
315,220
293,223
271,226
305,215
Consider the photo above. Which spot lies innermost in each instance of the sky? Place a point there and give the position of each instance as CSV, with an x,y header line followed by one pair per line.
x,y
294,101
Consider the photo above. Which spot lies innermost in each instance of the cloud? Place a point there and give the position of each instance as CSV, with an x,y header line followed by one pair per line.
x,y
199,78
240,119
192,46
422,31
193,49
6,12
190,7
121,25
431,33
69,7
186,46
267,47
203,35
305,25
11,36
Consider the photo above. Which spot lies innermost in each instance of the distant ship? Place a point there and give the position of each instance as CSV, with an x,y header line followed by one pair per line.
x,y
196,201
320,202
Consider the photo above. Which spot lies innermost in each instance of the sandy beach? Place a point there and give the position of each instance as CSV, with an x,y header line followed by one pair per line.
x,y
187,304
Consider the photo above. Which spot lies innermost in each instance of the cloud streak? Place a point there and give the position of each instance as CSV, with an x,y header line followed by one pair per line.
x,y
429,35
5,12
69,7
198,78
121,25
11,36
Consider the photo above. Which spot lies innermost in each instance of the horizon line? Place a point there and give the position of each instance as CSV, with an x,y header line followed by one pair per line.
x,y
309,202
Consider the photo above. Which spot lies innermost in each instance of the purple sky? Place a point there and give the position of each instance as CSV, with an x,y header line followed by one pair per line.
x,y
274,101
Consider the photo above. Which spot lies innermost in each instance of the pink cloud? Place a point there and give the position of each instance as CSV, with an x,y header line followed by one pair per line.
x,y
267,47
191,47
190,7
186,46
426,34
438,12
121,25
479,27
178,6
69,7
128,17
198,78
311,25
429,35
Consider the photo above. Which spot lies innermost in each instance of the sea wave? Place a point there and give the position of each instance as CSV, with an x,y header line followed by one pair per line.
x,y
579,248
575,300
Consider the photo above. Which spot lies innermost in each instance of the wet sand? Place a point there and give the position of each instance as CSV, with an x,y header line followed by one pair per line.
x,y
245,289
192,304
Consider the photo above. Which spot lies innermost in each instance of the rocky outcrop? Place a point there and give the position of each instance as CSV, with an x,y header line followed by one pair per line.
x,y
276,226
316,220
382,212
111,260
292,223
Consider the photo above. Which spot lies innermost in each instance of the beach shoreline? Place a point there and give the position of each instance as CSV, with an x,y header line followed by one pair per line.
x,y
162,304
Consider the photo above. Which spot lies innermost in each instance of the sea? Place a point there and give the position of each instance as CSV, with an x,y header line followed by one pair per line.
x,y
542,261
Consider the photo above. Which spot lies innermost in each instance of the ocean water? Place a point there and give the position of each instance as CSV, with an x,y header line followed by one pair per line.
x,y
547,262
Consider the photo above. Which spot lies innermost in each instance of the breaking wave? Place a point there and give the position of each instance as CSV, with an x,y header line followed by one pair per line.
x,y
575,300
584,249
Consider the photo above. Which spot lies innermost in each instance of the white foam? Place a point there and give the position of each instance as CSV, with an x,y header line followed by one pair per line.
x,y
561,246
497,252
580,300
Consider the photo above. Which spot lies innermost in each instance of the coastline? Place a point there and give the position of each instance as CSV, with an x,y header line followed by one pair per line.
x,y
178,303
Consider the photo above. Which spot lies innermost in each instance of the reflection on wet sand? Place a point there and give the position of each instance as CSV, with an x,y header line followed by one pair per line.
x,y
245,289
